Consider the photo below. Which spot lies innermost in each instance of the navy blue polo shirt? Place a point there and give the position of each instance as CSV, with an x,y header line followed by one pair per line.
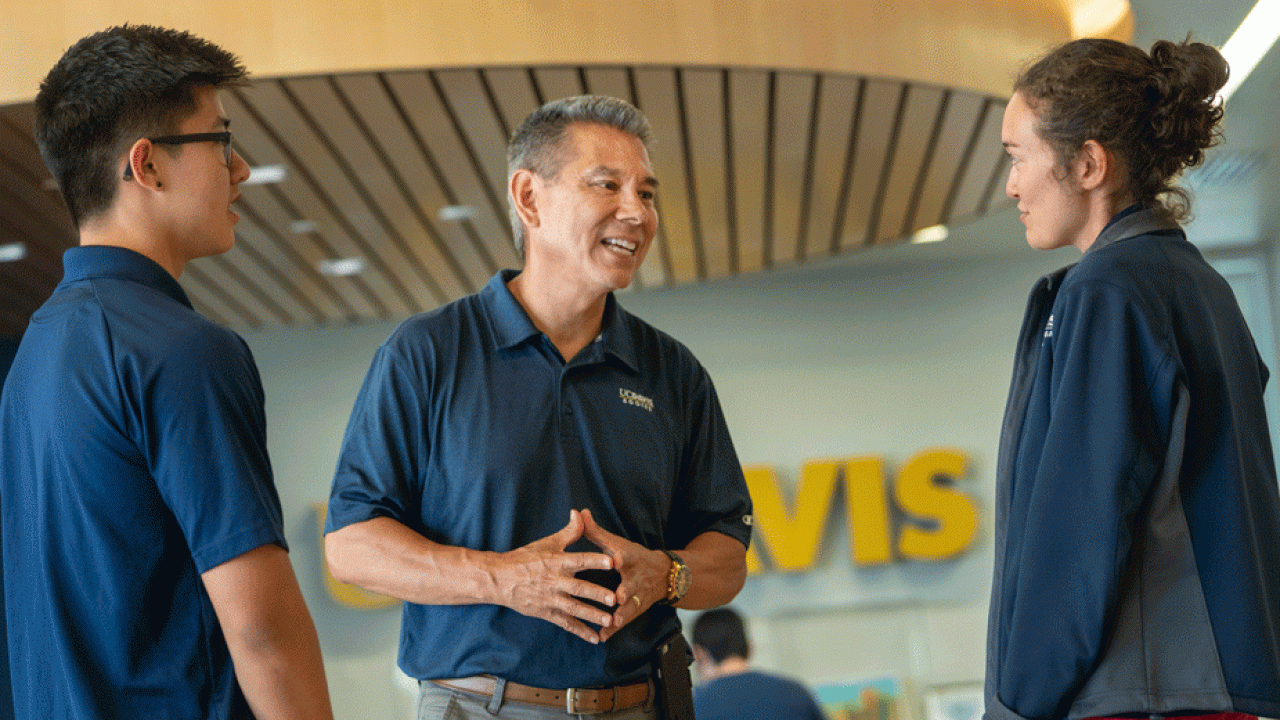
x,y
132,459
473,431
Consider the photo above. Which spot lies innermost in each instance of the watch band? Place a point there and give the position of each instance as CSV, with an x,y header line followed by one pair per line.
x,y
679,578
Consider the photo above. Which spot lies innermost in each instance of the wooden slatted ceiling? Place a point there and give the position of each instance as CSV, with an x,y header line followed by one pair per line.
x,y
30,213
758,169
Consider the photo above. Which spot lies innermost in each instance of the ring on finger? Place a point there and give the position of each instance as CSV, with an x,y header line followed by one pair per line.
x,y
639,604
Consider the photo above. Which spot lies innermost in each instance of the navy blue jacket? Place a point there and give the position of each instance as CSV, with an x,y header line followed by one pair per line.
x,y
1137,564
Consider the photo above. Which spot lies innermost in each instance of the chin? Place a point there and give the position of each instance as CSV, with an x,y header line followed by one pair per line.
x,y
1040,243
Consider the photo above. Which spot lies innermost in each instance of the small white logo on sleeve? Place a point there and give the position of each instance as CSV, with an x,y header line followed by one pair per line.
x,y
1048,328
635,398
748,519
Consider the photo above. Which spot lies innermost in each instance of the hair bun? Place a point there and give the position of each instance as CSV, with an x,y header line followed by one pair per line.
x,y
1189,69
1185,112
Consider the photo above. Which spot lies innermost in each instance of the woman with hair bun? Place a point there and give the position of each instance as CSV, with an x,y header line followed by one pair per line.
x,y
1137,568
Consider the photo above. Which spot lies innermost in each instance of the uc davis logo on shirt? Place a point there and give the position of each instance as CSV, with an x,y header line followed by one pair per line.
x,y
1048,328
635,398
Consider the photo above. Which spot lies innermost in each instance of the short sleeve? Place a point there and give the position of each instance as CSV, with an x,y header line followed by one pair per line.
x,y
205,428
384,447
711,491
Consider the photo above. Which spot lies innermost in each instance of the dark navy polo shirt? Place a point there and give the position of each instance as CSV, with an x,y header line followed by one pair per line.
x,y
472,430
132,459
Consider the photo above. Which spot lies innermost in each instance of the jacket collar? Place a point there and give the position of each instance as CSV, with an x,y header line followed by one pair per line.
x,y
1132,222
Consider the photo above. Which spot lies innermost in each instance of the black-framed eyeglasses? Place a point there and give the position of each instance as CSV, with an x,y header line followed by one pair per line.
x,y
221,137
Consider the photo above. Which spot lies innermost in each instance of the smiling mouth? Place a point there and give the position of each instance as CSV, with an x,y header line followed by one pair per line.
x,y
625,245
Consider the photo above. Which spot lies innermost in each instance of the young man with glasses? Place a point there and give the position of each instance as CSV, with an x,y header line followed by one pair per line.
x,y
145,564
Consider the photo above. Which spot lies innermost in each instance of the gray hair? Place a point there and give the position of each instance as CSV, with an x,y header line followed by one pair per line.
x,y
537,144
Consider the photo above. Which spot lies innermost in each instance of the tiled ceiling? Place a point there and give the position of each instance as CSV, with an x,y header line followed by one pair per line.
x,y
406,170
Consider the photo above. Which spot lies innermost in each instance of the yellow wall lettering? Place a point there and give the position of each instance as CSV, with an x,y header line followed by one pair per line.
x,y
941,522
919,495
868,506
793,539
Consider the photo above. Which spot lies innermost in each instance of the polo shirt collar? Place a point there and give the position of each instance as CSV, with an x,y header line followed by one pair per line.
x,y
618,334
512,326
86,262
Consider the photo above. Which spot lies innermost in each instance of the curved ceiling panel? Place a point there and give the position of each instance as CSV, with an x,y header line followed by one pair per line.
x,y
405,171
972,44
785,132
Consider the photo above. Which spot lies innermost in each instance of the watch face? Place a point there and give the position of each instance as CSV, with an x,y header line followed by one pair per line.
x,y
684,578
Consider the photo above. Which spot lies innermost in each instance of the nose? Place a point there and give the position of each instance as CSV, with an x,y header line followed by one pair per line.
x,y
1009,188
239,169
632,207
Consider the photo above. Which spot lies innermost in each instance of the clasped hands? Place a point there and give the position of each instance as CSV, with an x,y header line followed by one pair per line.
x,y
538,580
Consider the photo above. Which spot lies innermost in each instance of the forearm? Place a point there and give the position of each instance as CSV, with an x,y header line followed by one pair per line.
x,y
269,634
278,665
386,557
719,566
537,579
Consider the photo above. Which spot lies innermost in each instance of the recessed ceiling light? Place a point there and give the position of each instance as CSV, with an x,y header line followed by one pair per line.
x,y
302,227
13,252
341,267
931,234
266,175
1255,36
456,212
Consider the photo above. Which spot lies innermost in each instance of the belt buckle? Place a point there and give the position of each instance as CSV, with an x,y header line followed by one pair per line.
x,y
570,698
571,703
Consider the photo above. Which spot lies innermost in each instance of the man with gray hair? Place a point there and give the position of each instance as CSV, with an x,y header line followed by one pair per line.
x,y
487,423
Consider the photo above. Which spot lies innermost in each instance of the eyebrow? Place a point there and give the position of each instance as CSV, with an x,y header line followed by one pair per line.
x,y
613,173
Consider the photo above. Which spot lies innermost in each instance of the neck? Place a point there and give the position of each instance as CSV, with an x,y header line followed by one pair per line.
x,y
571,319
729,666
113,230
1100,212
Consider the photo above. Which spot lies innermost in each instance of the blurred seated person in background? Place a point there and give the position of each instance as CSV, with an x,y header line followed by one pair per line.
x,y
730,689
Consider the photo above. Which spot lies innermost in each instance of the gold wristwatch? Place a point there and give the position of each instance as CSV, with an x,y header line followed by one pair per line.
x,y
678,580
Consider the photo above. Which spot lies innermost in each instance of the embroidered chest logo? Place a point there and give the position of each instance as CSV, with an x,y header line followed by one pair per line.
x,y
1048,328
635,398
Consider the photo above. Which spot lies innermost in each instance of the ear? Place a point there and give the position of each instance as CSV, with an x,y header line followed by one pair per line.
x,y
525,188
142,156
1094,166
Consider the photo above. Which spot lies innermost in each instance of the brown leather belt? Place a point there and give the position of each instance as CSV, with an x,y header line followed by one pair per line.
x,y
575,701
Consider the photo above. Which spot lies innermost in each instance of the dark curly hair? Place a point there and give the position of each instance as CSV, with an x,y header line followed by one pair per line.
x,y
1155,113
111,88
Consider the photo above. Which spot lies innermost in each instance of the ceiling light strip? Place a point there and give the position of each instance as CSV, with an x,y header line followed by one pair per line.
x,y
1250,42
